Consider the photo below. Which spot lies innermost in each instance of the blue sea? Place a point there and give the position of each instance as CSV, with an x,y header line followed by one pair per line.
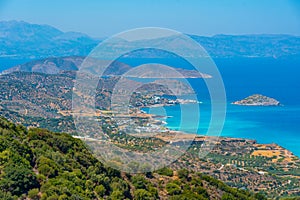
x,y
8,62
278,125
277,78
273,77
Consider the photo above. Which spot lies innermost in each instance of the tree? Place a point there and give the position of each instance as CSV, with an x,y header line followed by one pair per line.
x,y
63,197
53,197
260,196
139,182
18,179
34,194
117,194
173,189
165,171
153,191
120,185
100,190
7,196
202,191
183,173
227,196
46,170
142,194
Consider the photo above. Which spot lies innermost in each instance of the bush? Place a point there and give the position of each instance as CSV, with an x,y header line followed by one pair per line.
x,y
63,197
7,196
33,194
183,173
117,194
227,196
173,189
18,180
139,182
202,191
100,190
165,171
142,194
260,196
53,197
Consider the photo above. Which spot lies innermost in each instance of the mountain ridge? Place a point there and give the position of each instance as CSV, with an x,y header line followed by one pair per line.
x,y
55,65
40,41
25,40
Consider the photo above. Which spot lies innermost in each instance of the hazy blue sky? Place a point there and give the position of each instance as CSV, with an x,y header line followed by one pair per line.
x,y
203,17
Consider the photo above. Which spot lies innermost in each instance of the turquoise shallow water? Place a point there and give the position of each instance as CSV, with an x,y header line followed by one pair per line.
x,y
242,77
265,124
273,77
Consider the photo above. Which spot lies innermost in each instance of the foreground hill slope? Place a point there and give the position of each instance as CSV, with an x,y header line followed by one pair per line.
x,y
39,164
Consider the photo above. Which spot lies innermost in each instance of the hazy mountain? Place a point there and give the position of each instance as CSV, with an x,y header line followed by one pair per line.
x,y
55,65
20,31
250,45
49,65
19,39
24,40
73,63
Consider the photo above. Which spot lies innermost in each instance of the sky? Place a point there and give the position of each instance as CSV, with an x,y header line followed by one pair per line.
x,y
103,18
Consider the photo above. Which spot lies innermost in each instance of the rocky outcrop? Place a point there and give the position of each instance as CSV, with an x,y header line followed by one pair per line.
x,y
257,100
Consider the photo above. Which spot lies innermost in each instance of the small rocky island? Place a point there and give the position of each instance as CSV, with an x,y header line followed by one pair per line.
x,y
257,100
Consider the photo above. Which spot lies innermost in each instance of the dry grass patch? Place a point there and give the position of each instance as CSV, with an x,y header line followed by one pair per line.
x,y
266,153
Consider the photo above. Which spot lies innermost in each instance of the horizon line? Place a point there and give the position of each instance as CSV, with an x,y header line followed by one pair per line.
x,y
189,34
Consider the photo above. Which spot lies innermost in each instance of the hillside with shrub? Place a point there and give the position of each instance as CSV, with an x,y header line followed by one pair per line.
x,y
39,164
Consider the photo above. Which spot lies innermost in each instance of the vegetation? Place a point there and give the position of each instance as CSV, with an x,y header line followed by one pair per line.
x,y
39,164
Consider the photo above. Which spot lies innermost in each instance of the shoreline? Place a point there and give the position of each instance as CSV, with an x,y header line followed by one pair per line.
x,y
196,135
174,137
184,136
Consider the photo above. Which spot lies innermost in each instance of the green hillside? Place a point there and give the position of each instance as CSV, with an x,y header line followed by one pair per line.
x,y
39,164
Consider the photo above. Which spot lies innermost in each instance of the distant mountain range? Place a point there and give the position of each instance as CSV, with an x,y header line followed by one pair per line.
x,y
19,39
224,46
24,40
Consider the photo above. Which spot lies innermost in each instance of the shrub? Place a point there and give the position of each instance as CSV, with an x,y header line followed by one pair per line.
x,y
165,171
173,189
183,173
139,182
100,190
33,194
142,194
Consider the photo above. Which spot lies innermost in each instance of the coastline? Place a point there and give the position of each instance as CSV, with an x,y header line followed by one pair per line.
x,y
179,136
231,135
